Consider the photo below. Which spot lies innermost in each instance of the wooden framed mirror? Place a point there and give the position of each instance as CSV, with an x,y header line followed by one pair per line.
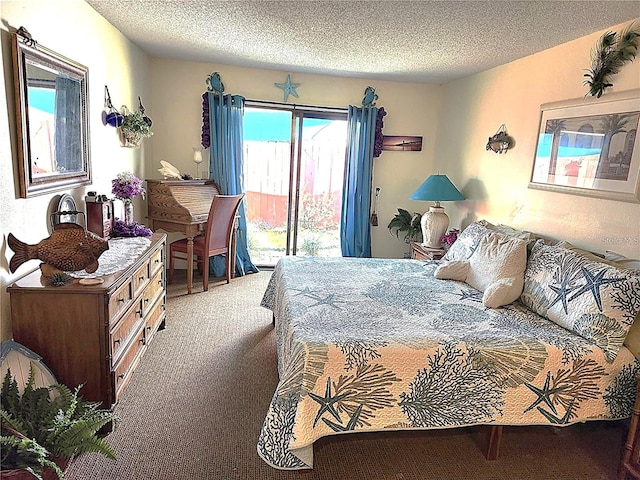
x,y
52,118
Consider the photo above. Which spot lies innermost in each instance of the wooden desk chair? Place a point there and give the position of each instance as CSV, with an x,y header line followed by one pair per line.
x,y
215,241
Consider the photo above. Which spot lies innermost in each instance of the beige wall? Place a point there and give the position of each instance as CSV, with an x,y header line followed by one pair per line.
x,y
496,185
412,109
455,121
81,34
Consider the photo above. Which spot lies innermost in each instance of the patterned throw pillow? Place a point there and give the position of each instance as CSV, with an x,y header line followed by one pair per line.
x,y
467,241
597,301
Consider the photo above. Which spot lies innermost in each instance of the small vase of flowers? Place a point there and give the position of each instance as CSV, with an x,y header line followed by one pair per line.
x,y
126,186
448,239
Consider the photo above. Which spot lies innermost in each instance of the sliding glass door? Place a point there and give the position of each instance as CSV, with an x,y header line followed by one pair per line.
x,y
294,166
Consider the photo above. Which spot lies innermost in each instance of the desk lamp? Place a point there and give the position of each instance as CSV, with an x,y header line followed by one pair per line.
x,y
434,223
197,159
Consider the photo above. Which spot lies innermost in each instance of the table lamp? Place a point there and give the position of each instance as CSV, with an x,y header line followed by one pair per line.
x,y
434,223
197,159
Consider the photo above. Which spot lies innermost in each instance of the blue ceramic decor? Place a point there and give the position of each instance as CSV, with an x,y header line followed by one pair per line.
x,y
215,83
111,116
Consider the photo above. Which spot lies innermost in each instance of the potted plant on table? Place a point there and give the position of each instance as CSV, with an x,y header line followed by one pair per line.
x,y
44,427
403,221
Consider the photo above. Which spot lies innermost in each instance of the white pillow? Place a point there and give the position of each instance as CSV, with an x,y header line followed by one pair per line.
x,y
496,268
454,270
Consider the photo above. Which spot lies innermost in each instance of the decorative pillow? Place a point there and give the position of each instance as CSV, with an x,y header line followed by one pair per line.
x,y
621,260
597,301
593,256
498,258
467,241
454,270
529,237
632,341
496,268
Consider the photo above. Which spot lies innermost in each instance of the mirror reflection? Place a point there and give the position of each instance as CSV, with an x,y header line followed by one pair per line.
x,y
51,98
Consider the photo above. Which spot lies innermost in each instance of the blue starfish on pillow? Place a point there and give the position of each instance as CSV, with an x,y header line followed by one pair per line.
x,y
593,284
562,291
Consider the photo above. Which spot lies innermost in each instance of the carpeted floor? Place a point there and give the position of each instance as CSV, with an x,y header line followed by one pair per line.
x,y
195,406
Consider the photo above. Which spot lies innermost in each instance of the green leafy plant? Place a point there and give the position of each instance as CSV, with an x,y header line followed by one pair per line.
x,y
609,55
403,221
134,126
48,422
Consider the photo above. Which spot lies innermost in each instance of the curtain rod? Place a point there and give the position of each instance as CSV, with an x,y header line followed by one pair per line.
x,y
289,106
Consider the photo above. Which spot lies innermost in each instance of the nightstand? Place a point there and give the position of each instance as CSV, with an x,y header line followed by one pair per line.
x,y
420,252
630,464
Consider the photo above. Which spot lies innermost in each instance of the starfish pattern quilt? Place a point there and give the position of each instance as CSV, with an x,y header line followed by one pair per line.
x,y
381,344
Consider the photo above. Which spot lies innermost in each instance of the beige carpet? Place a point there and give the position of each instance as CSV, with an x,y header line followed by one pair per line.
x,y
195,406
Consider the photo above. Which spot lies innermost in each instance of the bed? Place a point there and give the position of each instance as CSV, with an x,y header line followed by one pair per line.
x,y
381,344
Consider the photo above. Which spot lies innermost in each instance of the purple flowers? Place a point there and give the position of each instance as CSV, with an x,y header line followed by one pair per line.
x,y
127,186
450,237
135,229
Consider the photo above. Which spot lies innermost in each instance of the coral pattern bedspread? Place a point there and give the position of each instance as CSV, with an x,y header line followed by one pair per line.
x,y
375,344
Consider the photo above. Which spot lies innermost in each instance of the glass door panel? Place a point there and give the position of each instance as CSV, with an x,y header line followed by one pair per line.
x,y
294,165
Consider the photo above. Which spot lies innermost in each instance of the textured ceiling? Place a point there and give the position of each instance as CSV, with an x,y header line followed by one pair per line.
x,y
420,41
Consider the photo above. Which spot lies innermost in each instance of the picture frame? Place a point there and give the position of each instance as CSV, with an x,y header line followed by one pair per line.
x,y
590,147
403,143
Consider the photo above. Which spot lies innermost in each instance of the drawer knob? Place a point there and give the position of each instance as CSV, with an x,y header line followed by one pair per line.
x,y
141,278
117,340
121,376
146,300
121,299
139,312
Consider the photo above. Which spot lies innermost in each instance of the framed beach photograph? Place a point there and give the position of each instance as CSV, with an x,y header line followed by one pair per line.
x,y
590,147
402,143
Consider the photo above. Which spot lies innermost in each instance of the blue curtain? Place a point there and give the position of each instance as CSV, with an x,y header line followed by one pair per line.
x,y
355,229
68,144
226,166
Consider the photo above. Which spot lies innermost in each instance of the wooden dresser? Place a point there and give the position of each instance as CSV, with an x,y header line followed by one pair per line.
x,y
94,334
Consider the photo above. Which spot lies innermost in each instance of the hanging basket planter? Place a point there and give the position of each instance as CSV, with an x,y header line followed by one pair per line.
x,y
135,128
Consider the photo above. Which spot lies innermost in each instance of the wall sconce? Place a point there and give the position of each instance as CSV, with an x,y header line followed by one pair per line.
x,y
197,159
501,141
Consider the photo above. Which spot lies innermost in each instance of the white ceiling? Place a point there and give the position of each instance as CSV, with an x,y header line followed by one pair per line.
x,y
423,41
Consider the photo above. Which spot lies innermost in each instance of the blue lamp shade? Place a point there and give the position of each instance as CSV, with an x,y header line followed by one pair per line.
x,y
435,221
437,188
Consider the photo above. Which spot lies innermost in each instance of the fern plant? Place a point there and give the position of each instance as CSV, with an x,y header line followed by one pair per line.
x,y
403,221
46,422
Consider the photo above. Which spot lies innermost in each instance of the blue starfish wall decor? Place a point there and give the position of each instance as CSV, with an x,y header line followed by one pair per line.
x,y
288,87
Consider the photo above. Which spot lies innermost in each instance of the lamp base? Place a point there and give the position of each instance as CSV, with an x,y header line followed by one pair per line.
x,y
434,225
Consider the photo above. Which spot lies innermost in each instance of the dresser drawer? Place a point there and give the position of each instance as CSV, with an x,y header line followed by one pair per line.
x,y
140,279
120,300
155,287
127,363
156,262
123,330
155,318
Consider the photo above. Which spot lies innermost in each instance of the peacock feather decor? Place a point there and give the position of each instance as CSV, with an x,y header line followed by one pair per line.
x,y
609,55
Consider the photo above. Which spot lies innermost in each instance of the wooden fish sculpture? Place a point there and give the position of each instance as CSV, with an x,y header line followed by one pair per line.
x,y
69,248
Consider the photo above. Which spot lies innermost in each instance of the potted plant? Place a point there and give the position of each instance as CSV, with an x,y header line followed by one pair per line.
x,y
403,221
135,127
44,427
